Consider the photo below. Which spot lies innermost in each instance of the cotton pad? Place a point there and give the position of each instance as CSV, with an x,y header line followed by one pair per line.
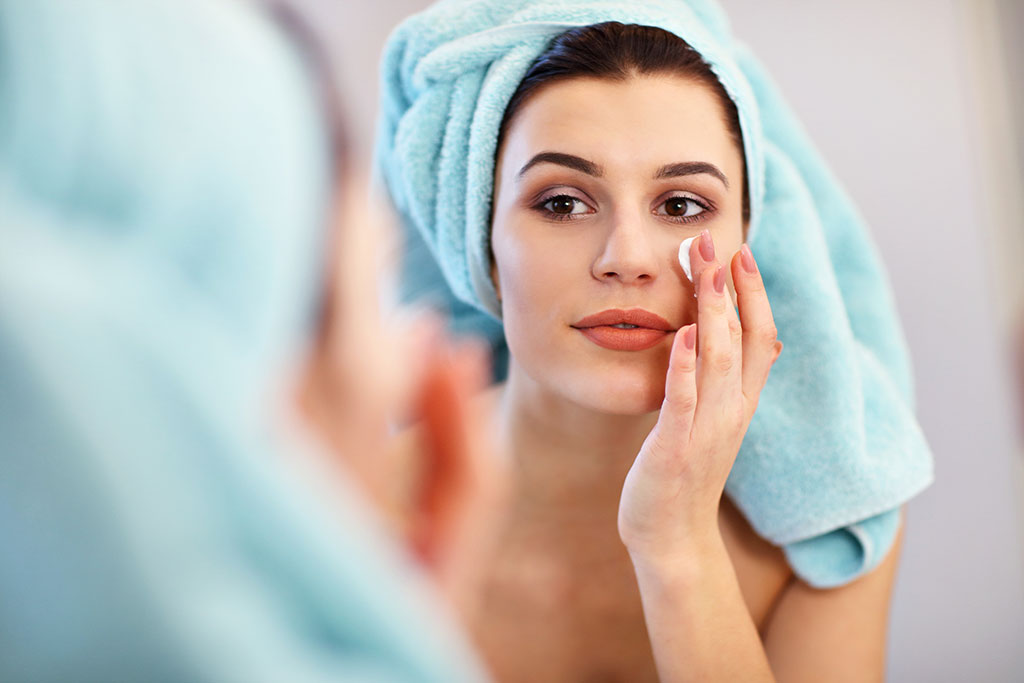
x,y
684,257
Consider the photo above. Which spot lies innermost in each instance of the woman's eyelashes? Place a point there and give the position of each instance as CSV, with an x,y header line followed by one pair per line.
x,y
678,208
563,207
684,209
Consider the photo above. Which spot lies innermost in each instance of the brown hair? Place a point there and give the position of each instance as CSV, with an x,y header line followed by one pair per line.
x,y
616,51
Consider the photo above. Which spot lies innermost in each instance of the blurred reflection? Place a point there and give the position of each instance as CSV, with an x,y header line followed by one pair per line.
x,y
194,407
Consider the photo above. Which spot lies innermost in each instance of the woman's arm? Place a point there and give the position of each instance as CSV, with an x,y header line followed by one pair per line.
x,y
836,634
699,625
701,629
698,622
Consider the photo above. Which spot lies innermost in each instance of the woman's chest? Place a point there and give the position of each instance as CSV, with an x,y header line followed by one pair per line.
x,y
569,609
542,622
564,609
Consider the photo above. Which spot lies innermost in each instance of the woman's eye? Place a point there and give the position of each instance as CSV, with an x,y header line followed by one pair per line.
x,y
682,207
565,205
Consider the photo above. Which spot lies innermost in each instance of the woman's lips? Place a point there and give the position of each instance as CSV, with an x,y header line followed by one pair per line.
x,y
617,339
646,329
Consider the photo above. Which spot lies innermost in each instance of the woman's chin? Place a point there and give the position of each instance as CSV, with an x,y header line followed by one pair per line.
x,y
620,395
631,386
630,405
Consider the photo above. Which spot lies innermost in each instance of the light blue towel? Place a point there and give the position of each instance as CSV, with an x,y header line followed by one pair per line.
x,y
834,448
164,194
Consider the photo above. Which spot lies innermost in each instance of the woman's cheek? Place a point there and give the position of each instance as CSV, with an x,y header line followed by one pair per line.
x,y
548,286
536,286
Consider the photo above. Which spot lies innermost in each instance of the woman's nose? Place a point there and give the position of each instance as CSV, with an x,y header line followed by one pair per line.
x,y
627,254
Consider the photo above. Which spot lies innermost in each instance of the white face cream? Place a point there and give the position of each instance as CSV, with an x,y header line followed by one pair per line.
x,y
684,257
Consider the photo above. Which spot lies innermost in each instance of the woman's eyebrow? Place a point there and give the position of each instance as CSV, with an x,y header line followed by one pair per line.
x,y
681,168
568,160
690,168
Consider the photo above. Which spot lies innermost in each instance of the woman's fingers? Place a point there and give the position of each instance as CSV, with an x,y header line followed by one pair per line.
x,y
478,495
733,351
681,384
760,341
719,338
702,257
452,459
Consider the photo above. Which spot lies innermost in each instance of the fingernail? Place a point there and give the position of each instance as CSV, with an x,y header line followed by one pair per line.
x,y
720,280
690,337
707,246
748,259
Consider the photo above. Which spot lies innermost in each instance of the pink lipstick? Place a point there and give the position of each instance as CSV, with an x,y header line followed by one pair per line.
x,y
618,330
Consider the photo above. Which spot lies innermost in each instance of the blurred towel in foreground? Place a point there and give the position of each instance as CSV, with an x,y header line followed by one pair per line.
x,y
164,185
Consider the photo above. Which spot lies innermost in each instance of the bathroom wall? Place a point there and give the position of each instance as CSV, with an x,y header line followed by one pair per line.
x,y
904,99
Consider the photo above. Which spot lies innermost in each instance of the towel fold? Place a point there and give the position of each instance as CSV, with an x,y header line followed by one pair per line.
x,y
834,449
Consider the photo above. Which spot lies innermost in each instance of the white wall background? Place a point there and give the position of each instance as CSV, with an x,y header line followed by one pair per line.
x,y
903,98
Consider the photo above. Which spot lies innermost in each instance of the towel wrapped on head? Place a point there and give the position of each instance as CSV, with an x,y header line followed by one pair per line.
x,y
834,449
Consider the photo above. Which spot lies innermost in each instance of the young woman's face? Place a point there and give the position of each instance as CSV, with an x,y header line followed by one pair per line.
x,y
596,184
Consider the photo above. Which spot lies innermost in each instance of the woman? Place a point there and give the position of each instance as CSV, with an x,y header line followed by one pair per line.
x,y
629,391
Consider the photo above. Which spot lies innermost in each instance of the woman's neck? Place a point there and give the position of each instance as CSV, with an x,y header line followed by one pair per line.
x,y
571,460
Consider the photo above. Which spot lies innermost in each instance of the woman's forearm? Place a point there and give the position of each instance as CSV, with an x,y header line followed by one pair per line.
x,y
698,623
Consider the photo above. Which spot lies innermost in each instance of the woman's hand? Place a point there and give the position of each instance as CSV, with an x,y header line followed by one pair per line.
x,y
451,511
439,484
717,369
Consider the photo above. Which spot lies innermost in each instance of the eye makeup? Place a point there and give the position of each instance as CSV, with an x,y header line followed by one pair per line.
x,y
572,202
552,198
706,208
562,198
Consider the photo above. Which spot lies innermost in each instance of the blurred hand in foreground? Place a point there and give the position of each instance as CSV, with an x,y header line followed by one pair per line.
x,y
441,482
